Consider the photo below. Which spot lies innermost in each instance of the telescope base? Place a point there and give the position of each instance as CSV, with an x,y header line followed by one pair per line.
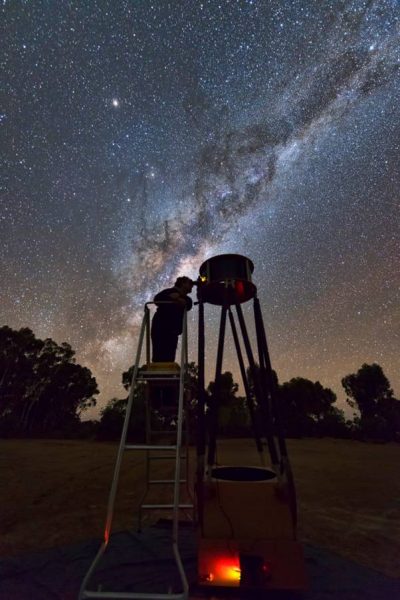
x,y
251,564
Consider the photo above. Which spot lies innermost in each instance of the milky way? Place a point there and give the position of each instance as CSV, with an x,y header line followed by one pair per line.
x,y
142,138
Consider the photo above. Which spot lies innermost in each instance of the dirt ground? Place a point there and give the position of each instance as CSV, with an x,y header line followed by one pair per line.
x,y
55,492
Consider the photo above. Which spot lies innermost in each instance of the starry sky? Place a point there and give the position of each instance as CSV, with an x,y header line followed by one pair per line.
x,y
140,138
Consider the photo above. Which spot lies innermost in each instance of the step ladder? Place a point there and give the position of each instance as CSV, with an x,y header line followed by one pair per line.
x,y
162,393
163,450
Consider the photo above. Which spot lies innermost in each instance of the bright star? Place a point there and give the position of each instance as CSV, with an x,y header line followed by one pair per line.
x,y
115,102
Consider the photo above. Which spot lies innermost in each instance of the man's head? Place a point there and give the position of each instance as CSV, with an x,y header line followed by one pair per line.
x,y
184,284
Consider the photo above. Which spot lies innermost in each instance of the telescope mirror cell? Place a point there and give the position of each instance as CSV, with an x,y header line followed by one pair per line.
x,y
226,279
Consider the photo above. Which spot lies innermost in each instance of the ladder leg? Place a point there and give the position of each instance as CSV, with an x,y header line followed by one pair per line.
x,y
114,485
177,485
111,502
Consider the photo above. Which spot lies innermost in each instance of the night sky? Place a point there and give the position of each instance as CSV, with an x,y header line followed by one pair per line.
x,y
140,138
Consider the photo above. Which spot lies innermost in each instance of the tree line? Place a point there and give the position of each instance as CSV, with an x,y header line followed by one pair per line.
x,y
44,393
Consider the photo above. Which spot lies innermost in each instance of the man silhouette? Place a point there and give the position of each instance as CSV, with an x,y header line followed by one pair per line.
x,y
167,322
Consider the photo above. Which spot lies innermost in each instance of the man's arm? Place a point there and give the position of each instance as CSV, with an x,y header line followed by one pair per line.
x,y
178,298
168,295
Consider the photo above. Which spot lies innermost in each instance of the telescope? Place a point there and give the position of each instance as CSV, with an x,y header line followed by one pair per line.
x,y
255,549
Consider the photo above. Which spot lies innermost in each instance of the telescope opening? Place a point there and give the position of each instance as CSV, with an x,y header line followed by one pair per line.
x,y
226,280
242,474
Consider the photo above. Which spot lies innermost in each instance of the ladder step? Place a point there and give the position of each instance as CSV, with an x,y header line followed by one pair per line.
x,y
132,596
160,367
164,410
160,432
166,506
150,447
167,414
163,376
170,457
158,481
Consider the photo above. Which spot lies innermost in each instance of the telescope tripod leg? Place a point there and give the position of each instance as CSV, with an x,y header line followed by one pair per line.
x,y
249,398
261,400
215,396
267,378
270,388
201,419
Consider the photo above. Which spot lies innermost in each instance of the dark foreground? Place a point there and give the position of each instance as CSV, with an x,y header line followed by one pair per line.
x,y
142,562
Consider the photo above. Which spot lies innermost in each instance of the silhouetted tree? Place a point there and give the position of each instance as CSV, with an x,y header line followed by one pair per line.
x,y
111,420
250,379
42,390
369,391
333,424
112,416
307,408
366,388
233,418
192,386
227,391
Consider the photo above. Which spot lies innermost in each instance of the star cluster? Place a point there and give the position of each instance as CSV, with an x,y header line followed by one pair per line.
x,y
140,138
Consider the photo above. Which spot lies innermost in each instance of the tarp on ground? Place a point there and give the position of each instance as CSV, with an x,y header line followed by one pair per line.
x,y
143,562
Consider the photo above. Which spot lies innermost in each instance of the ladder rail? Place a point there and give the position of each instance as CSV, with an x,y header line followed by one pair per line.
x,y
176,505
114,485
177,485
110,509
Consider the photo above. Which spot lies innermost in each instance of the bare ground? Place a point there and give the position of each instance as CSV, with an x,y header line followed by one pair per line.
x,y
55,492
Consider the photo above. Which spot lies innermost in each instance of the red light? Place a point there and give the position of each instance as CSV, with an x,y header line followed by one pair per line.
x,y
227,569
266,569
239,287
224,570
